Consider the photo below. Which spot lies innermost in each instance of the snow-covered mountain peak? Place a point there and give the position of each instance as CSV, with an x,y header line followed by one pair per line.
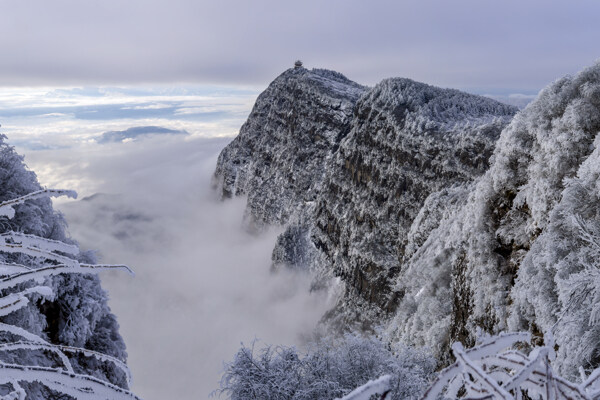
x,y
424,230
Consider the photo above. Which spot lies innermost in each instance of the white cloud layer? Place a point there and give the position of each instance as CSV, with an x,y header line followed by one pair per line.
x,y
65,117
202,285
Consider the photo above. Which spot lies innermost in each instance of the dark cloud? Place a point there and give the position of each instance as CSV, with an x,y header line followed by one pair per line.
x,y
135,132
470,44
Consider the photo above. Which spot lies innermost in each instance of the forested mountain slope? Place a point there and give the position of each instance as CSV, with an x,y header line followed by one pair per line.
x,y
522,253
441,212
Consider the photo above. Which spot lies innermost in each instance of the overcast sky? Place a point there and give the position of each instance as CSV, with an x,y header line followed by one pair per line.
x,y
480,45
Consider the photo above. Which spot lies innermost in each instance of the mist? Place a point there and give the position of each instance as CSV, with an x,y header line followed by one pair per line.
x,y
202,284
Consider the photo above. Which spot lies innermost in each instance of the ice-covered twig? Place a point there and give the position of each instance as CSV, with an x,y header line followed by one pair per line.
x,y
34,342
100,267
490,384
36,252
527,370
15,330
40,242
364,392
60,350
16,301
10,269
497,343
6,207
82,387
38,346
100,356
43,272
506,374
489,346
442,380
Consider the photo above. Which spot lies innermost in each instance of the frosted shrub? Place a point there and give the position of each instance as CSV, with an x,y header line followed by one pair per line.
x,y
330,368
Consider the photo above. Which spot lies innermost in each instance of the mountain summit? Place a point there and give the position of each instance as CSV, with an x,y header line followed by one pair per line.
x,y
434,212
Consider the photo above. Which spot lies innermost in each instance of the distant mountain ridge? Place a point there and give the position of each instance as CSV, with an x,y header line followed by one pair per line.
x,y
431,207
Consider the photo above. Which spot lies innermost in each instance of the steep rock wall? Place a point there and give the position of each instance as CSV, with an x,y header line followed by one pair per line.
x,y
350,198
519,250
279,158
408,140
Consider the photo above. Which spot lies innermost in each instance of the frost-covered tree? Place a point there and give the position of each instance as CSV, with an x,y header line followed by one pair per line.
x,y
514,250
558,287
330,368
30,364
78,314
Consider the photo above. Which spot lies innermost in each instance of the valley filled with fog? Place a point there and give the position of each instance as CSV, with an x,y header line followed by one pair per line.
x,y
202,283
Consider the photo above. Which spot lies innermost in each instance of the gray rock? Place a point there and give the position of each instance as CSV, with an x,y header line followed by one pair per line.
x,y
279,158
348,170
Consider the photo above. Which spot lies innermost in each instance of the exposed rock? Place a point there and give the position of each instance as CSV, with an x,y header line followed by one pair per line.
x,y
408,140
279,158
518,253
350,199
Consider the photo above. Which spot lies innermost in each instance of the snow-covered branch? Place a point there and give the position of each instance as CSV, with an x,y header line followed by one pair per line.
x,y
15,330
38,274
15,301
11,268
380,386
6,207
492,371
60,351
39,242
82,387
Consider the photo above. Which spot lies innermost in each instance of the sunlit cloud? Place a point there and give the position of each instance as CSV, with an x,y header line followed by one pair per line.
x,y
52,118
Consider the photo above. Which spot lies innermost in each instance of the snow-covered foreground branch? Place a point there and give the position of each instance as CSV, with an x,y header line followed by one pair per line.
x,y
7,207
493,370
61,378
380,386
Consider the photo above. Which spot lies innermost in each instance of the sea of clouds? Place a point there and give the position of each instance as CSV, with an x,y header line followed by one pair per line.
x,y
202,283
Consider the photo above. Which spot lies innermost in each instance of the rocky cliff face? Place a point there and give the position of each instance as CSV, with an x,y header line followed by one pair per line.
x,y
517,254
350,196
433,238
279,158
408,140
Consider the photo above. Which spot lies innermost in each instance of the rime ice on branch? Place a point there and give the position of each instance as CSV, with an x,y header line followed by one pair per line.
x,y
493,370
60,378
